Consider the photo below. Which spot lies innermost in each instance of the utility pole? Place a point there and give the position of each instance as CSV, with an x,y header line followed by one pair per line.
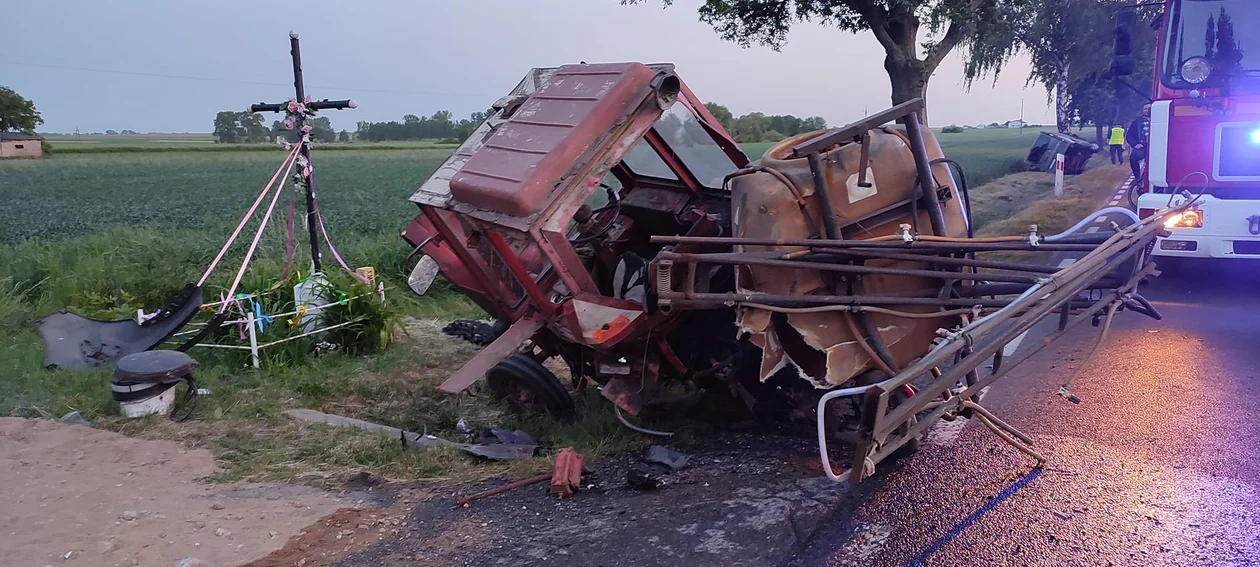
x,y
299,121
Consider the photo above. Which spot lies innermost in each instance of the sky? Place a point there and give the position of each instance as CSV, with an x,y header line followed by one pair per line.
x,y
170,66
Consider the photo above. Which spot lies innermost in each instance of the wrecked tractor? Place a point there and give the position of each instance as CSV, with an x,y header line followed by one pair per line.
x,y
603,216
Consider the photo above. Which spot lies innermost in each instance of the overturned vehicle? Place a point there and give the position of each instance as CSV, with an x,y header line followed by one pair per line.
x,y
602,215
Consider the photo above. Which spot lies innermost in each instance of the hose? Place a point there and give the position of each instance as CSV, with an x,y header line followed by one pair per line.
x,y
1118,210
962,188
634,427
822,427
885,366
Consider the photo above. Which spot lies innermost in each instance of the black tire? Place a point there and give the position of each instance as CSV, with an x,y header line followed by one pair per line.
x,y
527,386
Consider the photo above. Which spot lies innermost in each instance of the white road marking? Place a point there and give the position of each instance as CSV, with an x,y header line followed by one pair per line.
x,y
1101,219
1013,346
1065,263
1091,230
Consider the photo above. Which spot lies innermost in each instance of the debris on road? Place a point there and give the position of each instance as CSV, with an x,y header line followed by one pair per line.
x,y
479,333
464,501
658,463
504,446
567,476
75,418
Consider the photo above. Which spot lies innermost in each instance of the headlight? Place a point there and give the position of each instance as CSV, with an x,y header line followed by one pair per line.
x,y
1196,70
1189,218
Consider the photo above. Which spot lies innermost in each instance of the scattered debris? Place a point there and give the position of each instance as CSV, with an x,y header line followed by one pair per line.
x,y
479,333
189,562
216,506
130,515
659,462
75,418
668,457
504,445
465,500
566,478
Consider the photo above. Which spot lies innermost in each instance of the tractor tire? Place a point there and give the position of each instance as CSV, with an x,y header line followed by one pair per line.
x,y
527,386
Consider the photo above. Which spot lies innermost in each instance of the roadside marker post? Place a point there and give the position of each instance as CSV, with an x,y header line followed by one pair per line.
x,y
1058,175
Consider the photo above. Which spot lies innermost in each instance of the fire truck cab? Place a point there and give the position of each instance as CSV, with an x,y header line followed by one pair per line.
x,y
1204,127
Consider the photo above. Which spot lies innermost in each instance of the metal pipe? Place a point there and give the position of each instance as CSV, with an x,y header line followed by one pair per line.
x,y
926,180
750,260
958,245
986,348
831,227
942,260
729,299
822,428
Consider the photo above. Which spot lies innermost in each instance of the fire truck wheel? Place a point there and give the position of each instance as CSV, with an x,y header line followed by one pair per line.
x,y
527,386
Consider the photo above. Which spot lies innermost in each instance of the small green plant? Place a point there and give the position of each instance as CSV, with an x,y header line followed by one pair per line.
x,y
952,129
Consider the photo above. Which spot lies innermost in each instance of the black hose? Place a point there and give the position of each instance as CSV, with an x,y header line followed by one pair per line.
x,y
962,188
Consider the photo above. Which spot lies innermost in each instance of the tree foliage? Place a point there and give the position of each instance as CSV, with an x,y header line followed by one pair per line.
x,y
896,24
440,126
1069,43
17,113
231,127
758,127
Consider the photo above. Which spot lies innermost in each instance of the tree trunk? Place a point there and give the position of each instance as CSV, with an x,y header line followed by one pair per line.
x,y
1062,116
909,79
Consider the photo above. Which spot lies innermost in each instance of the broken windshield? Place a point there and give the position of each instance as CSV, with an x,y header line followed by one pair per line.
x,y
690,142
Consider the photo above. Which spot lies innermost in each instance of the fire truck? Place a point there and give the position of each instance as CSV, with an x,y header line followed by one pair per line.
x,y
1204,137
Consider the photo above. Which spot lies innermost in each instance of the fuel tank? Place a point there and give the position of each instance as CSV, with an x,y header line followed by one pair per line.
x,y
821,345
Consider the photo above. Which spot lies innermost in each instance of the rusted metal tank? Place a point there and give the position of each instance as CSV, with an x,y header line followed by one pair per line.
x,y
781,202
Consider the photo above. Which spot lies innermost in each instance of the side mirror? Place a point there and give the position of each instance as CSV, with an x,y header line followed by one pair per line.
x,y
423,274
1122,62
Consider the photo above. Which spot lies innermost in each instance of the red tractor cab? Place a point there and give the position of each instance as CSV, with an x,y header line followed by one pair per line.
x,y
544,218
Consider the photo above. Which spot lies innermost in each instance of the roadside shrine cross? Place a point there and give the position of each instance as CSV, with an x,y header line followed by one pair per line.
x,y
298,110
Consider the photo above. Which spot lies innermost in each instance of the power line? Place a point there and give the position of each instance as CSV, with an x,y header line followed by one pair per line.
x,y
237,81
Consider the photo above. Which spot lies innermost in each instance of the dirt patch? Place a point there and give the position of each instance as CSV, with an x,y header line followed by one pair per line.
x,y
101,498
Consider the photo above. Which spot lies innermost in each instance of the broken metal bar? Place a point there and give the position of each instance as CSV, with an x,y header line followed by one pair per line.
x,y
855,129
959,245
1065,290
749,260
914,132
821,189
942,260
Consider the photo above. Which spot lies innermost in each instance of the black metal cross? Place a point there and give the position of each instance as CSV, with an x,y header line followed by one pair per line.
x,y
305,150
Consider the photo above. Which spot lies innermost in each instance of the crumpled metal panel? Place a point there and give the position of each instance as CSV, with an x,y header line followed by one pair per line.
x,y
820,345
436,191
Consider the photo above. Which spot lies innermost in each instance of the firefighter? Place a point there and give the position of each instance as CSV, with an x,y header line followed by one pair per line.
x,y
1117,143
1139,132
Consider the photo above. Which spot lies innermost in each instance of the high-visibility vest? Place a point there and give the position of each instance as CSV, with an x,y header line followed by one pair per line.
x,y
1117,136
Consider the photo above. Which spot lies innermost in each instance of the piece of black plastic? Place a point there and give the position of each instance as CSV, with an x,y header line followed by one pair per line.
x,y
76,342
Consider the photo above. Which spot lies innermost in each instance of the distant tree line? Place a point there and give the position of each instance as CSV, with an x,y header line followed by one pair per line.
x,y
247,127
440,126
758,127
231,127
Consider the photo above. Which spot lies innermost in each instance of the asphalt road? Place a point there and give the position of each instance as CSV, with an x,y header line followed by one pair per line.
x,y
1158,465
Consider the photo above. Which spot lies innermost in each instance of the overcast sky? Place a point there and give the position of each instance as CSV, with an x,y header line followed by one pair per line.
x,y
96,65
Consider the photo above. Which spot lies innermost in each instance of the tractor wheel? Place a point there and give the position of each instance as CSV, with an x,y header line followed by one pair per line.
x,y
529,387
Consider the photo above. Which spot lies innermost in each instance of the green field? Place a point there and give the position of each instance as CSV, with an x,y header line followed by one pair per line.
x,y
108,225
362,187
